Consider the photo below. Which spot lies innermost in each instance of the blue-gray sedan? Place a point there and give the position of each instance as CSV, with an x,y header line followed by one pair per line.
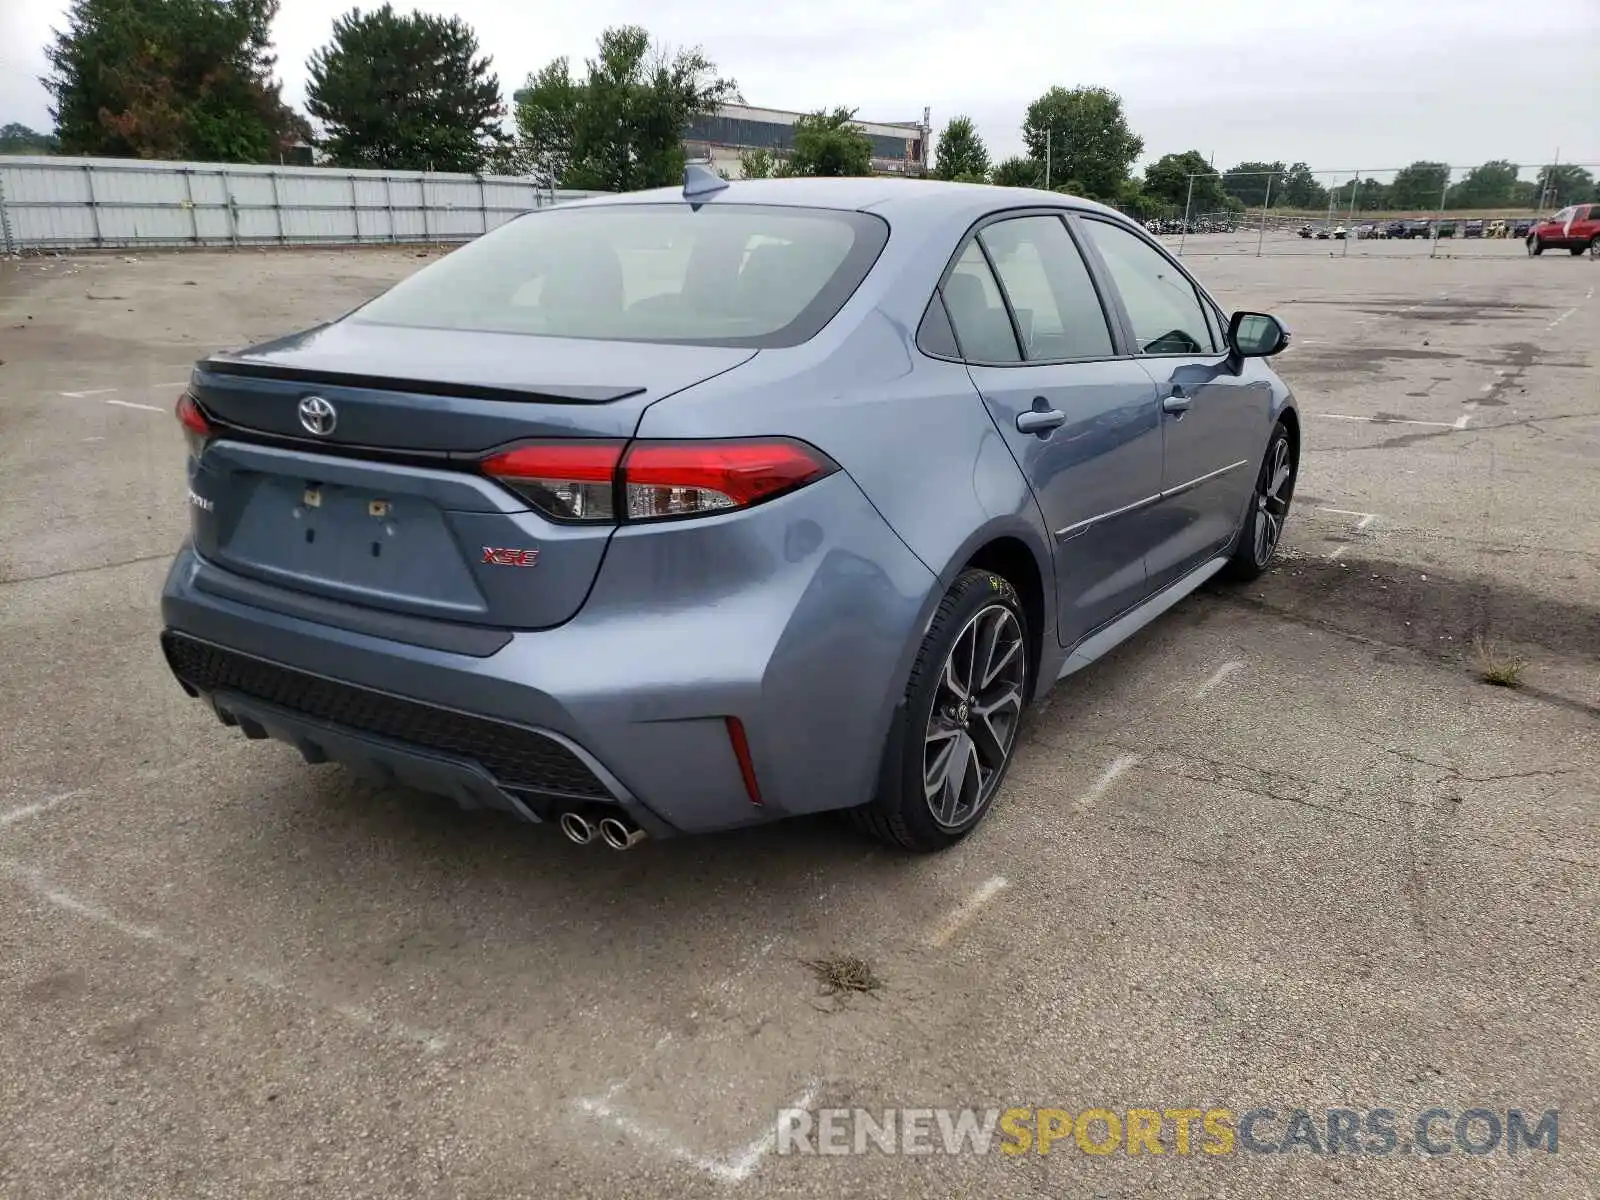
x,y
696,508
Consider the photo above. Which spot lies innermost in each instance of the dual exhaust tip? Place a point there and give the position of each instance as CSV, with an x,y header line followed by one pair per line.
x,y
617,831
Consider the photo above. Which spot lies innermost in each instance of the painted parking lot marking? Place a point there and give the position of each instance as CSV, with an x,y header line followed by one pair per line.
x,y
1562,317
1119,766
1366,517
1385,420
1217,676
21,813
968,909
35,882
731,1168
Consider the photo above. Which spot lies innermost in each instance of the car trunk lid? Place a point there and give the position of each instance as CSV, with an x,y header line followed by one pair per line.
x,y
374,497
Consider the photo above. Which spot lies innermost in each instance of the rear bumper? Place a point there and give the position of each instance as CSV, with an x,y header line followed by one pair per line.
x,y
798,617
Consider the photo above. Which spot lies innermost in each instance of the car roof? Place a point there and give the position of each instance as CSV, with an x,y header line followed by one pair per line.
x,y
884,194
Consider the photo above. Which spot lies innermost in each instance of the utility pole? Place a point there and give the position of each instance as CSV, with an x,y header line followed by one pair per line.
x,y
1049,137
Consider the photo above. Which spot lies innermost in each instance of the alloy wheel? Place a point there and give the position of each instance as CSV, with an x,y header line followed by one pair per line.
x,y
1272,500
977,706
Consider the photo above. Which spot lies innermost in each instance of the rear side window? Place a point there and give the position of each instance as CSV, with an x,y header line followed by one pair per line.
x,y
1162,304
1057,308
978,312
727,275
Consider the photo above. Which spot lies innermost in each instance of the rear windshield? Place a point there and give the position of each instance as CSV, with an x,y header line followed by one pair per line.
x,y
727,275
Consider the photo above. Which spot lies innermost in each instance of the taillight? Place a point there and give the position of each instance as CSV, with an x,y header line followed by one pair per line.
x,y
595,481
570,481
196,429
685,479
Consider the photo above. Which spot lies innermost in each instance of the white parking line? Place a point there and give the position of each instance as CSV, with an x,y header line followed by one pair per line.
x,y
1217,676
1561,318
1366,517
36,883
734,1168
23,812
1115,771
1384,420
131,404
967,909
1338,550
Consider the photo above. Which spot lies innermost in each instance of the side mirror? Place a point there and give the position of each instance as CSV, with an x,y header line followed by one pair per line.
x,y
1256,335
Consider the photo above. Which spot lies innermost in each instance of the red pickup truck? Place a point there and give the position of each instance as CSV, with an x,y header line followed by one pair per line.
x,y
1575,228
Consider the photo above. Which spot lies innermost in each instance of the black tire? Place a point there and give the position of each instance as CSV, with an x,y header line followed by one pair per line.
x,y
1535,247
1262,529
902,814
1594,246
1577,250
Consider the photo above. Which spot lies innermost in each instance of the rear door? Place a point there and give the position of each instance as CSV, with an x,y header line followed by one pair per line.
x,y
1214,416
1080,418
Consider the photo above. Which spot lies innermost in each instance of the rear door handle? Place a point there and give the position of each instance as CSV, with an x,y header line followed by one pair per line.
x,y
1178,402
1040,420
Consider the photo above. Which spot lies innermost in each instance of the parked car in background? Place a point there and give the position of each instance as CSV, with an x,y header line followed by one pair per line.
x,y
1523,227
1339,232
802,519
1396,229
1307,231
1445,229
1472,229
1575,228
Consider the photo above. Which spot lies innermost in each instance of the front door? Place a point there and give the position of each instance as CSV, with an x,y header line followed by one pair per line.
x,y
1083,424
1215,409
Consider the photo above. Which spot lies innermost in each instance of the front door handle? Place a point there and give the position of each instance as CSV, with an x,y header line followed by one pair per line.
x,y
1178,402
1040,420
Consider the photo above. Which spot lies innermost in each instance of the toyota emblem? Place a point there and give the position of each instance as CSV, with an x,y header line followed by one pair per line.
x,y
318,416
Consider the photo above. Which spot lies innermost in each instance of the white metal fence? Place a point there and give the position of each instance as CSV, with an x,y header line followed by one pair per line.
x,y
51,203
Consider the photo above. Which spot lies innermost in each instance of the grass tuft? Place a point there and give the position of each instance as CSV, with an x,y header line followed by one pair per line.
x,y
1497,668
844,974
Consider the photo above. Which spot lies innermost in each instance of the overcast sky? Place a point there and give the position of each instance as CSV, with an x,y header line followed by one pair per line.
x,y
1353,84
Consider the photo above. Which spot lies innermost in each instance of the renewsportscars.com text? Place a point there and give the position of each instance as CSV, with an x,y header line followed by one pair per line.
x,y
1265,1129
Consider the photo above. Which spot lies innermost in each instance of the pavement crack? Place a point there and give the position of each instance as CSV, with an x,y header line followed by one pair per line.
x,y
127,562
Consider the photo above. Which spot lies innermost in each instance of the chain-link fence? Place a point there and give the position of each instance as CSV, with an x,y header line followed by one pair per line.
x,y
1426,209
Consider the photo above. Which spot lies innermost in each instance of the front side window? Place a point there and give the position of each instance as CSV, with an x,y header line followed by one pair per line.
x,y
728,275
1057,308
977,310
1162,304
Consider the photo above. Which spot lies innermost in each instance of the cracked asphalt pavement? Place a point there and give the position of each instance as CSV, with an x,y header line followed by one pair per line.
x,y
1285,850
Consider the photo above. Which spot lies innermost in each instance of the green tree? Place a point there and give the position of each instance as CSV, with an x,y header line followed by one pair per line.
x,y
19,139
1086,135
1374,195
1298,188
1018,171
961,154
620,128
406,91
829,144
1563,184
1247,182
1420,186
1167,181
169,79
759,163
1488,186
547,115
